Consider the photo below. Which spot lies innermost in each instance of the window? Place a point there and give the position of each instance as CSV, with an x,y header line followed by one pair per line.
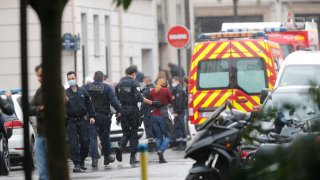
x,y
286,49
213,74
300,75
96,35
250,74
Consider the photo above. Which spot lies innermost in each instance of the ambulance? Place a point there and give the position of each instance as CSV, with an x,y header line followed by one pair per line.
x,y
230,65
291,36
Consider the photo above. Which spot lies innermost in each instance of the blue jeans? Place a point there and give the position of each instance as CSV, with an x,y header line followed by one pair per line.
x,y
159,127
41,153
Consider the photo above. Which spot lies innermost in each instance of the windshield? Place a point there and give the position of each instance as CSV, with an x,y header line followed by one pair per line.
x,y
297,105
286,49
213,74
300,75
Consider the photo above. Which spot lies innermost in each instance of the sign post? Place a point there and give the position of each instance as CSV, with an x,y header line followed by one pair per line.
x,y
178,36
71,43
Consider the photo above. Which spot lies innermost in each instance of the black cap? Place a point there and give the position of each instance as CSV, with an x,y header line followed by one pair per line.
x,y
130,70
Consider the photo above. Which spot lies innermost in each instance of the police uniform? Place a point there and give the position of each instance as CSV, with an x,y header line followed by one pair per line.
x,y
128,93
179,123
78,106
102,96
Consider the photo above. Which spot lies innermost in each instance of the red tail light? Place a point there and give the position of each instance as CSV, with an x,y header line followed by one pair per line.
x,y
15,124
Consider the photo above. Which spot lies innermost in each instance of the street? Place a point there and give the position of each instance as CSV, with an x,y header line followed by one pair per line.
x,y
176,169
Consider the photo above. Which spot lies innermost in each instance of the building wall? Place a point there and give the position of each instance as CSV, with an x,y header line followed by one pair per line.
x,y
139,36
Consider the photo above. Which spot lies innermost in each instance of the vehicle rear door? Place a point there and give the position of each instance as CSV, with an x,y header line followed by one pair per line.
x,y
213,80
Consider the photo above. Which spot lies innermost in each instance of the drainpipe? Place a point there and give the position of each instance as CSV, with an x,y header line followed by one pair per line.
x,y
121,41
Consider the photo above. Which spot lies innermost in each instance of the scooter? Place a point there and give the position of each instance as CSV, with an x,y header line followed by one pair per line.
x,y
215,147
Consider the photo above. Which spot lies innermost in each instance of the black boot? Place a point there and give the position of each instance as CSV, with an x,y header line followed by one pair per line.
x,y
108,160
182,145
83,166
133,159
94,162
77,168
119,154
176,146
161,158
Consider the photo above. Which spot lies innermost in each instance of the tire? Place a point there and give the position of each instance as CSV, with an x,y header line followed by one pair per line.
x,y
33,155
205,176
4,156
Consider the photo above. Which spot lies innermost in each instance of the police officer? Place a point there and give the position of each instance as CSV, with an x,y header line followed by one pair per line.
x,y
128,93
102,96
179,113
145,113
78,106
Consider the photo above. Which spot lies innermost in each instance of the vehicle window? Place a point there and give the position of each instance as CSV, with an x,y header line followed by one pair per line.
x,y
286,49
213,74
300,75
250,75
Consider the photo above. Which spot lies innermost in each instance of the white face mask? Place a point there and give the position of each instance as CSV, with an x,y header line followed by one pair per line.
x,y
174,85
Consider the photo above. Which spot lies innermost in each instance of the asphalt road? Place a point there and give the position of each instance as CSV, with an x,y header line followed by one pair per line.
x,y
176,169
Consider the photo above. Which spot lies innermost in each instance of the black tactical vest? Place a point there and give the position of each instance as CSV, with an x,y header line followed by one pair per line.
x,y
126,93
98,96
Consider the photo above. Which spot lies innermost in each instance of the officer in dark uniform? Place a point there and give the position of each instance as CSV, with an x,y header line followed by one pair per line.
x,y
128,93
78,106
179,113
102,96
145,114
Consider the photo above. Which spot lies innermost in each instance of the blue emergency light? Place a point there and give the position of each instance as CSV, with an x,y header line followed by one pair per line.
x,y
229,35
238,30
276,29
13,91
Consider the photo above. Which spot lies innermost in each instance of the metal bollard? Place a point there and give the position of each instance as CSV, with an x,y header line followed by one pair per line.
x,y
143,161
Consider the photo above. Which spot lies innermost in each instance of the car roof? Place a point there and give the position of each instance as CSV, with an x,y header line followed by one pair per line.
x,y
303,58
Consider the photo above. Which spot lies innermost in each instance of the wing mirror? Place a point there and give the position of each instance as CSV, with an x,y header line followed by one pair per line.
x,y
264,94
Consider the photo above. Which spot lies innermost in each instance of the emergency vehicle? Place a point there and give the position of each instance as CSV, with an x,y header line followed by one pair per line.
x,y
233,66
291,36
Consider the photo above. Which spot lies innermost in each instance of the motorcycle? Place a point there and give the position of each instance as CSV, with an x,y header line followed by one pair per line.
x,y
215,147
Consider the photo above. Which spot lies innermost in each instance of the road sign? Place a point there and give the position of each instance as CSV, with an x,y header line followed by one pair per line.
x,y
70,42
178,36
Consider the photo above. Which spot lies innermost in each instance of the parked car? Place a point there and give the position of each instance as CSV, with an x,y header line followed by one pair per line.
x,y
4,150
299,69
14,125
293,102
116,132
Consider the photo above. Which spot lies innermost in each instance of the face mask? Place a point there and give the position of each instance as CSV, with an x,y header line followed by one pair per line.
x,y
72,82
174,85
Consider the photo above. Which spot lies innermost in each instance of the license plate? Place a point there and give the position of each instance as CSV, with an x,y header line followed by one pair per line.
x,y
206,114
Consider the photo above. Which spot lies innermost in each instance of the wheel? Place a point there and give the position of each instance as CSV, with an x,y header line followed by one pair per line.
x,y
4,156
202,176
33,155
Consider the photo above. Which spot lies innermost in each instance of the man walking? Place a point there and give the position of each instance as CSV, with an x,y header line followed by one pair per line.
x,y
145,113
102,96
78,106
128,93
36,109
179,113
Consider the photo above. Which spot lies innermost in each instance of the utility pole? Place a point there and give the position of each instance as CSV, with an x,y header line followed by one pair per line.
x,y
235,10
188,49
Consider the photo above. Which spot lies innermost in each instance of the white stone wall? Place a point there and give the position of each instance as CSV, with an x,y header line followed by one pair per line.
x,y
139,29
